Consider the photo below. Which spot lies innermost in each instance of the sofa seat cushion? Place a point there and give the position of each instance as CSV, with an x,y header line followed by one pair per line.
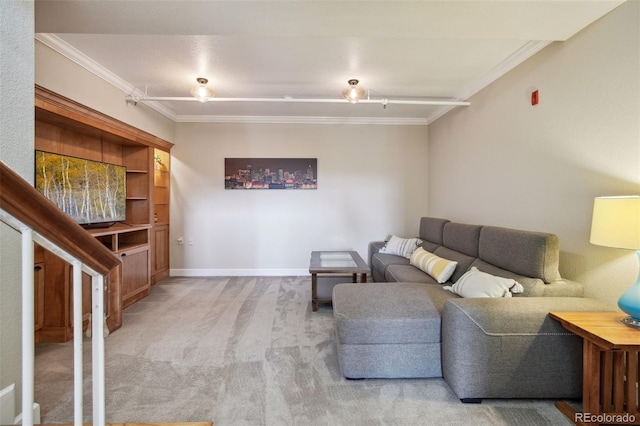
x,y
380,261
385,313
439,295
387,330
511,348
408,273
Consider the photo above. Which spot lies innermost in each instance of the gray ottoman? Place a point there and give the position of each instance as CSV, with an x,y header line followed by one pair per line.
x,y
390,330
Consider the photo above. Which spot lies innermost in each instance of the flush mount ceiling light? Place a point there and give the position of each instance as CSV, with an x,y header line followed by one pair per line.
x,y
200,91
353,93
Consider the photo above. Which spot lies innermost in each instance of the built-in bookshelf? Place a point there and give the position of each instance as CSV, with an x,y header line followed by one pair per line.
x,y
142,243
160,231
132,244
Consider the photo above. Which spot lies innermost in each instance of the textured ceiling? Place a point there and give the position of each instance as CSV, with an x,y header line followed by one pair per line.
x,y
306,49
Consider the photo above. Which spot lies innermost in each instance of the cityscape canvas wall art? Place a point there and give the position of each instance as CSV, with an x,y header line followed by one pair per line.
x,y
271,173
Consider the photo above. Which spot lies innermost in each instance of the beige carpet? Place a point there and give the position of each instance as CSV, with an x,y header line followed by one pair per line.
x,y
249,351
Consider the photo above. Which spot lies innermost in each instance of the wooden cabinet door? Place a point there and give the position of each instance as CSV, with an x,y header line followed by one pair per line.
x,y
135,275
160,261
53,281
55,325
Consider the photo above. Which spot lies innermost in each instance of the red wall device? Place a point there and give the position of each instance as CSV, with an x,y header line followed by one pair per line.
x,y
534,97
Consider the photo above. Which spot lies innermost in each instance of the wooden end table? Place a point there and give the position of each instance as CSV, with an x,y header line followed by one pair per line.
x,y
335,262
610,368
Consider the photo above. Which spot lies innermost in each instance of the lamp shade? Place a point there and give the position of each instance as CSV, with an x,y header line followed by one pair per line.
x,y
616,222
200,91
353,93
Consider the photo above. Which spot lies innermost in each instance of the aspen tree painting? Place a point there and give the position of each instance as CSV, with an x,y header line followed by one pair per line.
x,y
89,191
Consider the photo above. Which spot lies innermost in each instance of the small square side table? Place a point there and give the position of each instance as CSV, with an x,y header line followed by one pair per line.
x,y
610,370
335,262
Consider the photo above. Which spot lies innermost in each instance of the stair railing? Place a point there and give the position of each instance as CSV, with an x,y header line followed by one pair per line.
x,y
38,220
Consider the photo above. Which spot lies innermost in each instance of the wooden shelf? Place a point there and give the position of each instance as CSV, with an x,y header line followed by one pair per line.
x,y
132,244
161,198
65,127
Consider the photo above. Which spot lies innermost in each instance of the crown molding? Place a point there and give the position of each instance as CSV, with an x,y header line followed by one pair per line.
x,y
68,51
161,109
525,52
519,56
387,121
65,49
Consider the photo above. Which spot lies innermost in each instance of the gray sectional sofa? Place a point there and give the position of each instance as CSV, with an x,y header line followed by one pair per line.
x,y
406,325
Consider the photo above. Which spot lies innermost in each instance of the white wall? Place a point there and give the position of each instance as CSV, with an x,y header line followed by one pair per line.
x,y
63,76
504,162
16,150
371,182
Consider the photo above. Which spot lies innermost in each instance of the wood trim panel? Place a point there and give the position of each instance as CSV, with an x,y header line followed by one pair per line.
x,y
64,107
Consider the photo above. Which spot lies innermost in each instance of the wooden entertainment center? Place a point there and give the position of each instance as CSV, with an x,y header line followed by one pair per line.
x,y
66,127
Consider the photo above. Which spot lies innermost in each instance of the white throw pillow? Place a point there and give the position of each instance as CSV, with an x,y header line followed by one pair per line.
x,y
440,269
401,246
475,283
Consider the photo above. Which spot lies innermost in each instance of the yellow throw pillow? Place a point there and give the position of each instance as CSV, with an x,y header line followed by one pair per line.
x,y
440,269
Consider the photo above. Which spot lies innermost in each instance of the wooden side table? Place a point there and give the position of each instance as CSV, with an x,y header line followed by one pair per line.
x,y
610,368
335,262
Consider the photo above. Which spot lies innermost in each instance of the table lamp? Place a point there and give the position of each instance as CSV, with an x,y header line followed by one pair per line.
x,y
616,223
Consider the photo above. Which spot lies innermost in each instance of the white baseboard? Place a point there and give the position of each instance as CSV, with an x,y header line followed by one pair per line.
x,y
238,272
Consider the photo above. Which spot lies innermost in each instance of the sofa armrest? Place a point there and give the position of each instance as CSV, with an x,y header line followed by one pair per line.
x,y
563,288
518,315
511,348
375,247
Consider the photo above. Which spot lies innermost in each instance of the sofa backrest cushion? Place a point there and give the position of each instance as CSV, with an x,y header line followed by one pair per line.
x,y
532,254
462,238
464,261
431,230
429,246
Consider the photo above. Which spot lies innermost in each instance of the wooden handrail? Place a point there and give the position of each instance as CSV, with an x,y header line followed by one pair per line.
x,y
26,204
